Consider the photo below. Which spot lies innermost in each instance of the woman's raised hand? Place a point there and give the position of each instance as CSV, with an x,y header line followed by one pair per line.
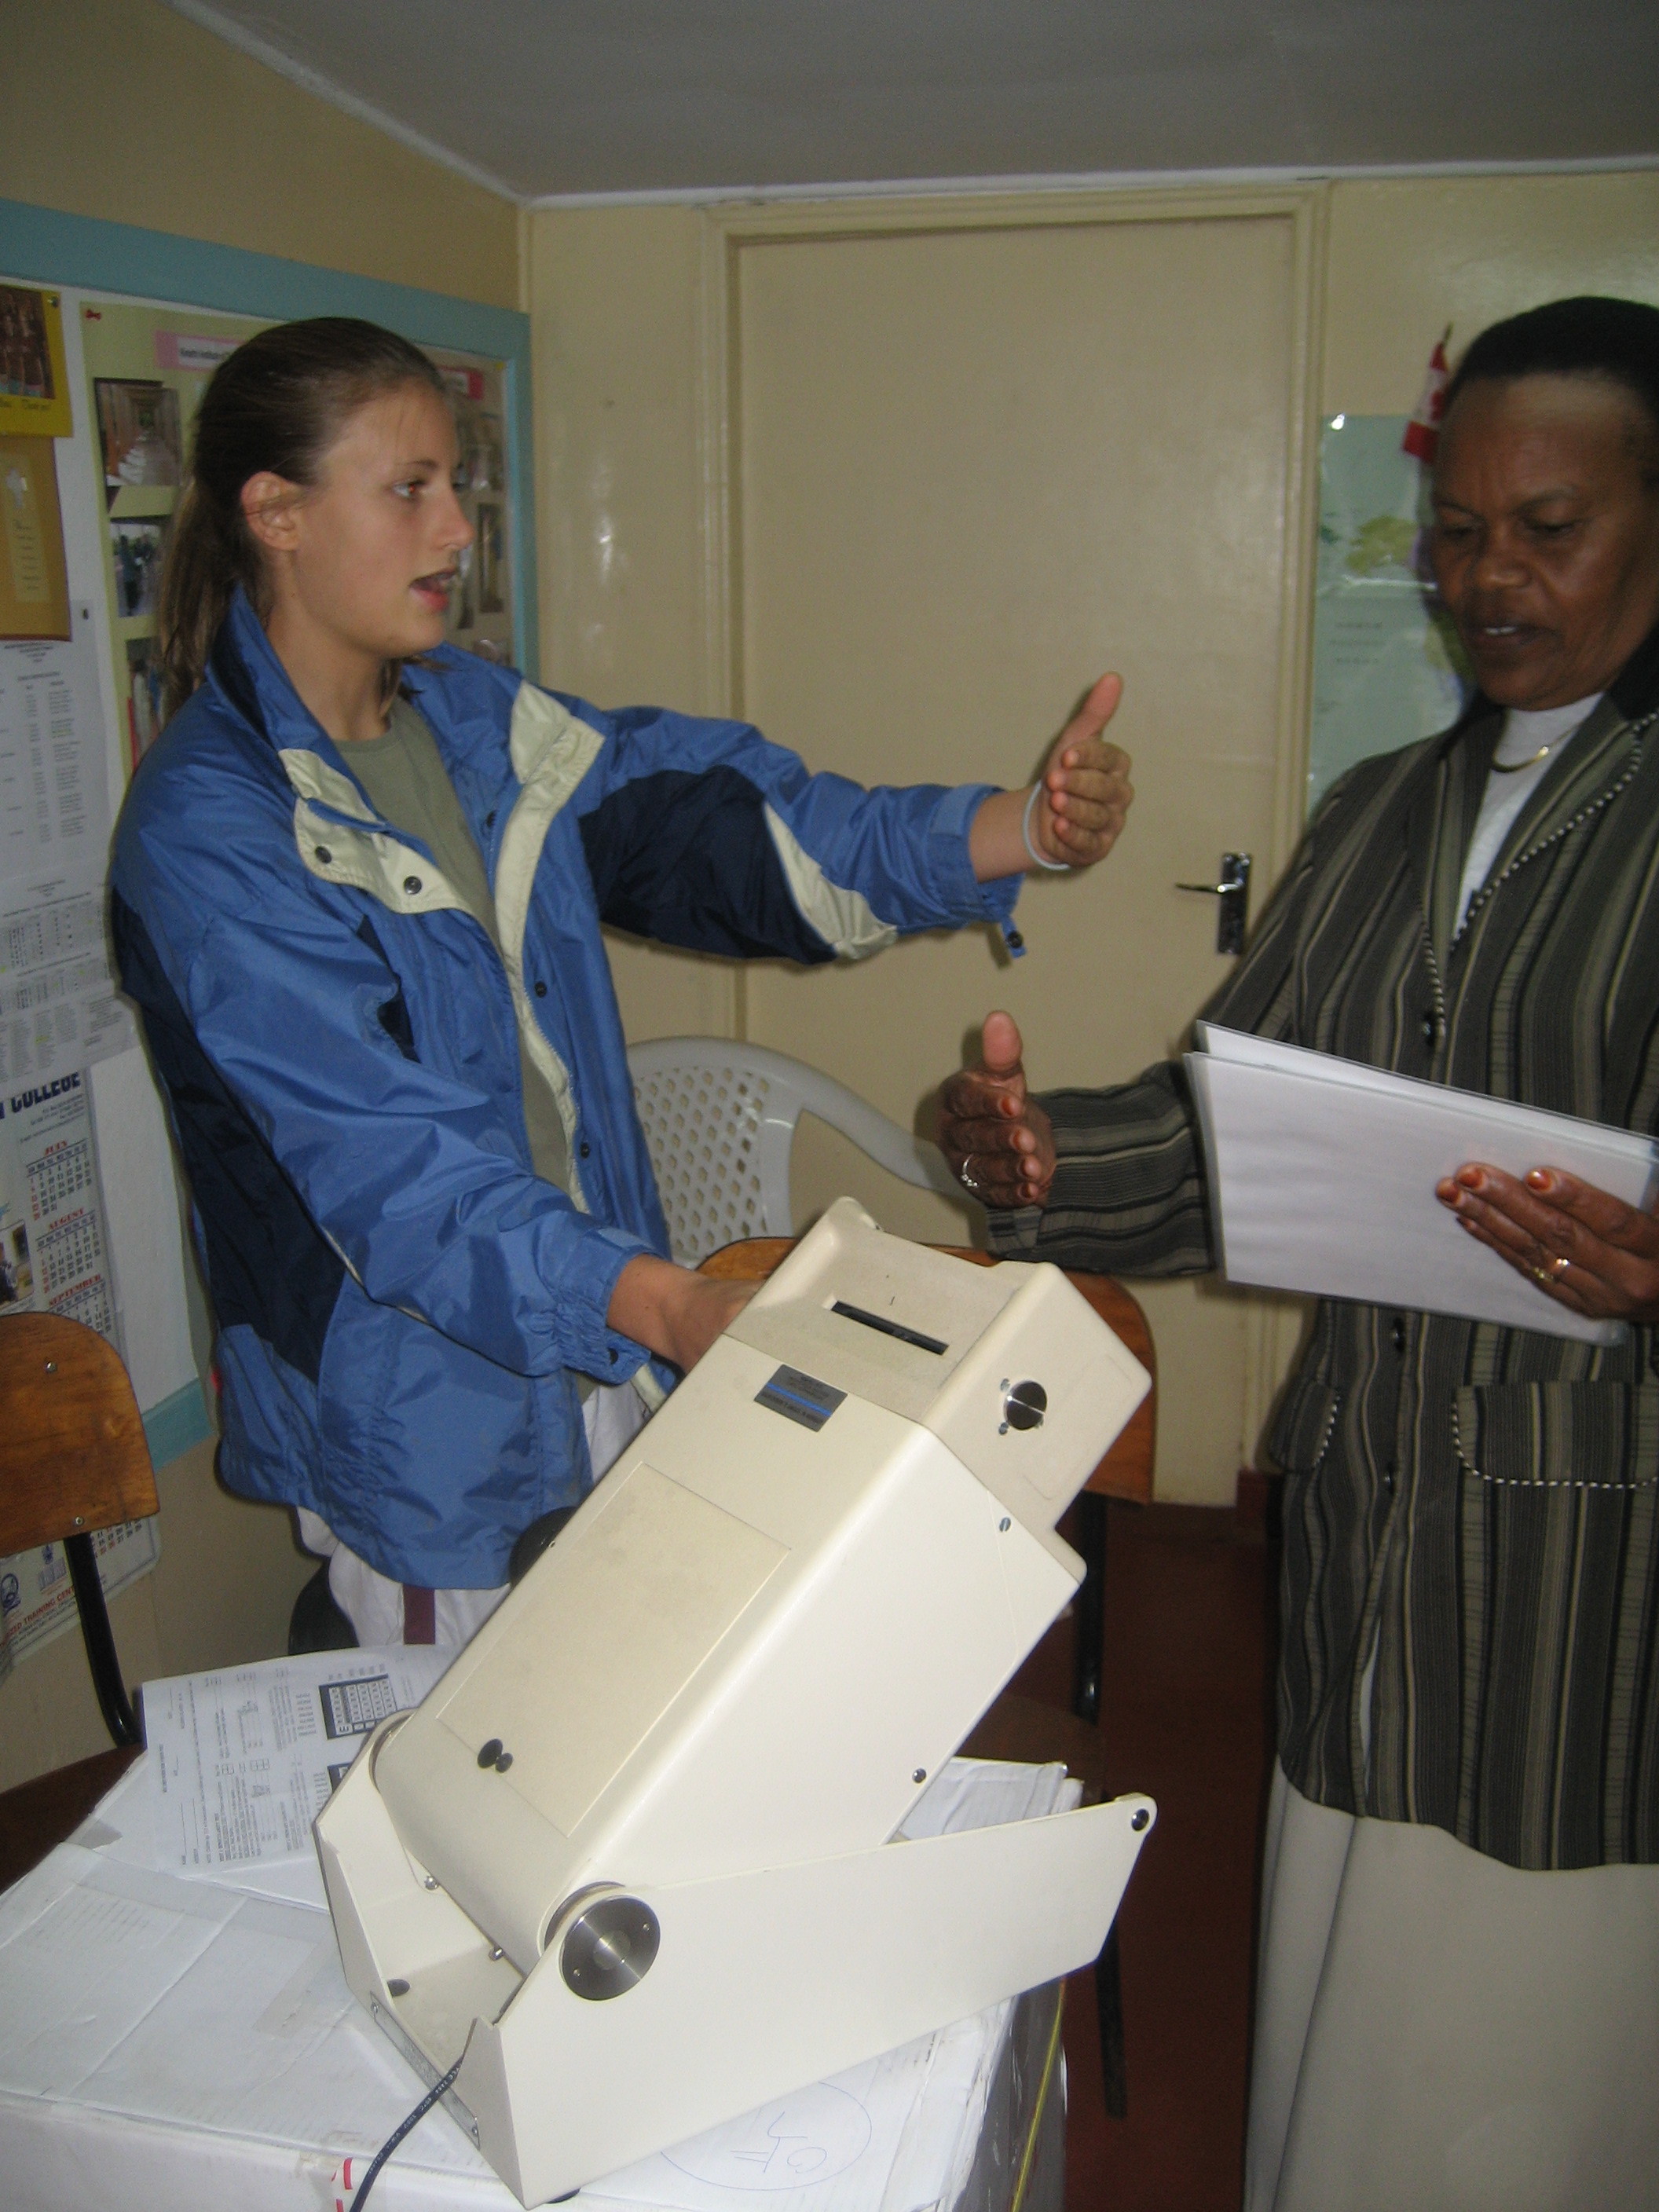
x,y
1086,791
1073,811
996,1137
1582,1246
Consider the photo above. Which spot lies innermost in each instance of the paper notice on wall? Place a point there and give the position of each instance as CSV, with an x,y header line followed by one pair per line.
x,y
54,1258
37,1598
242,1761
50,1217
34,596
59,1004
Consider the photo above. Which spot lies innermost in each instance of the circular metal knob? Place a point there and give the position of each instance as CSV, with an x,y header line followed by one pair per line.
x,y
1025,1405
608,1947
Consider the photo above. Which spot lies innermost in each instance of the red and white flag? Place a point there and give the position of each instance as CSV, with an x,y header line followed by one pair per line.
x,y
1422,437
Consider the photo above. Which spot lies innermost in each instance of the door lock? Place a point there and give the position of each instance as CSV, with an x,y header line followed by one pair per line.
x,y
1233,893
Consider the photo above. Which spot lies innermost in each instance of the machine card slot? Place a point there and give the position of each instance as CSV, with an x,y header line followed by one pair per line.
x,y
888,1328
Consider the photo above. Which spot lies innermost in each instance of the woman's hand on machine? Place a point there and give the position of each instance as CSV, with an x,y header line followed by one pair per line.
x,y
672,1311
1583,1247
997,1138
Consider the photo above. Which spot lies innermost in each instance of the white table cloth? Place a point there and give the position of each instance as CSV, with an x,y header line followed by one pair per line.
x,y
169,2042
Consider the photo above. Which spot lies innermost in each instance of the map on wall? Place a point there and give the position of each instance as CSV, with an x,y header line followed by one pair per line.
x,y
1388,669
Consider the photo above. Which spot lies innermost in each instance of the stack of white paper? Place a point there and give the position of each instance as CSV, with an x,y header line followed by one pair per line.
x,y
1322,1174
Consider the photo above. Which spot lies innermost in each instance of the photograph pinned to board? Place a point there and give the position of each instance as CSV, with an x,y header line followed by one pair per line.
x,y
34,400
489,559
144,695
481,608
465,607
34,600
140,433
137,544
483,463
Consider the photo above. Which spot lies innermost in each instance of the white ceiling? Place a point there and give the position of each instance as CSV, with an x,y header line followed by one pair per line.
x,y
554,98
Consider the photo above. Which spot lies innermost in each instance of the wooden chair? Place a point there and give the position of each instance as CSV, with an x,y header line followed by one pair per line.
x,y
76,1460
1019,1728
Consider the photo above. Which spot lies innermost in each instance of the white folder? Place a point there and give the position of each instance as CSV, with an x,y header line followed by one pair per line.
x,y
1322,1175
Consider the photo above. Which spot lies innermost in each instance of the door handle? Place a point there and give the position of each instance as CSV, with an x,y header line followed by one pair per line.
x,y
1233,894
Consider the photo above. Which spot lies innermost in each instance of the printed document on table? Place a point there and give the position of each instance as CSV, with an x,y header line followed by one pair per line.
x,y
242,1761
1322,1174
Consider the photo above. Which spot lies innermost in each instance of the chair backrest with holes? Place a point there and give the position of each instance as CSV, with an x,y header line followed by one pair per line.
x,y
719,1125
719,1120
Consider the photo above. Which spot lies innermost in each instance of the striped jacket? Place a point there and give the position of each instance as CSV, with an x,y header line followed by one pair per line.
x,y
1473,1507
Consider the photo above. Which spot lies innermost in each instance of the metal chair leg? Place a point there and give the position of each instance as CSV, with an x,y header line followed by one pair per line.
x,y
1090,1613
118,1717
1089,1606
1109,2005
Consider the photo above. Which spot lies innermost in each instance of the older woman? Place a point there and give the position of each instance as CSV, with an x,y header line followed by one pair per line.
x,y
1459,1995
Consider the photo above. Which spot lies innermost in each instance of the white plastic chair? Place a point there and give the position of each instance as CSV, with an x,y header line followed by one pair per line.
x,y
719,1120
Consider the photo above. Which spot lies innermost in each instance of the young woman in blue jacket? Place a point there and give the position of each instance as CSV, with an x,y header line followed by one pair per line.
x,y
357,893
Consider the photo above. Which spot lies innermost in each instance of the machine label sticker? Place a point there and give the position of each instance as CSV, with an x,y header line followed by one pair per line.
x,y
799,1397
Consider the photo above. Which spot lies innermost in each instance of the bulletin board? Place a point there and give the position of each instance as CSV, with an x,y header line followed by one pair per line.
x,y
108,336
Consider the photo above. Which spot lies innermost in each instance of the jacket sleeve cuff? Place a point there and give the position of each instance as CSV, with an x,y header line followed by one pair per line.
x,y
1012,1231
587,1342
953,820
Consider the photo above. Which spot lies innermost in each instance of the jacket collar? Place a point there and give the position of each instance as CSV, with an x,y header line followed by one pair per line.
x,y
1590,771
254,682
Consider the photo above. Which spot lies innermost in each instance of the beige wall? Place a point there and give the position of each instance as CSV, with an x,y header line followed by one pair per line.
x,y
1407,258
123,110
623,469
624,304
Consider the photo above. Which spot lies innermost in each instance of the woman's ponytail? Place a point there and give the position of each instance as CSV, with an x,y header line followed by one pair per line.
x,y
277,404
205,563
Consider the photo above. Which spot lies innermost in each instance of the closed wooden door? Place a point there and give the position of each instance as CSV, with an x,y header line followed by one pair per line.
x,y
971,467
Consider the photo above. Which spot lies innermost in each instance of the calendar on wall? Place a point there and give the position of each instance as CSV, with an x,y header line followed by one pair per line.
x,y
54,1258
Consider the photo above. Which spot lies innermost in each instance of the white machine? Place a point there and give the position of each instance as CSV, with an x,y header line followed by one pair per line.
x,y
631,1855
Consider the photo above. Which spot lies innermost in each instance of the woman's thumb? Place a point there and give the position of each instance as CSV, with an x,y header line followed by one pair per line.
x,y
1000,1047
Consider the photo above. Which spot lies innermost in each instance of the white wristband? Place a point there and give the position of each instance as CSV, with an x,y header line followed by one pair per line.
x,y
1055,867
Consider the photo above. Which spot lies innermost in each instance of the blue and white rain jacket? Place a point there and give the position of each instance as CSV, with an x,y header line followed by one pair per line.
x,y
401,1301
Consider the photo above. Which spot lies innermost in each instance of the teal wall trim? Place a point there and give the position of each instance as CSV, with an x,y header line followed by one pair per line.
x,y
178,1422
54,248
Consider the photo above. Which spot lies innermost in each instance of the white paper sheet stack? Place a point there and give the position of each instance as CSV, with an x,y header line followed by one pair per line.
x,y
1322,1175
